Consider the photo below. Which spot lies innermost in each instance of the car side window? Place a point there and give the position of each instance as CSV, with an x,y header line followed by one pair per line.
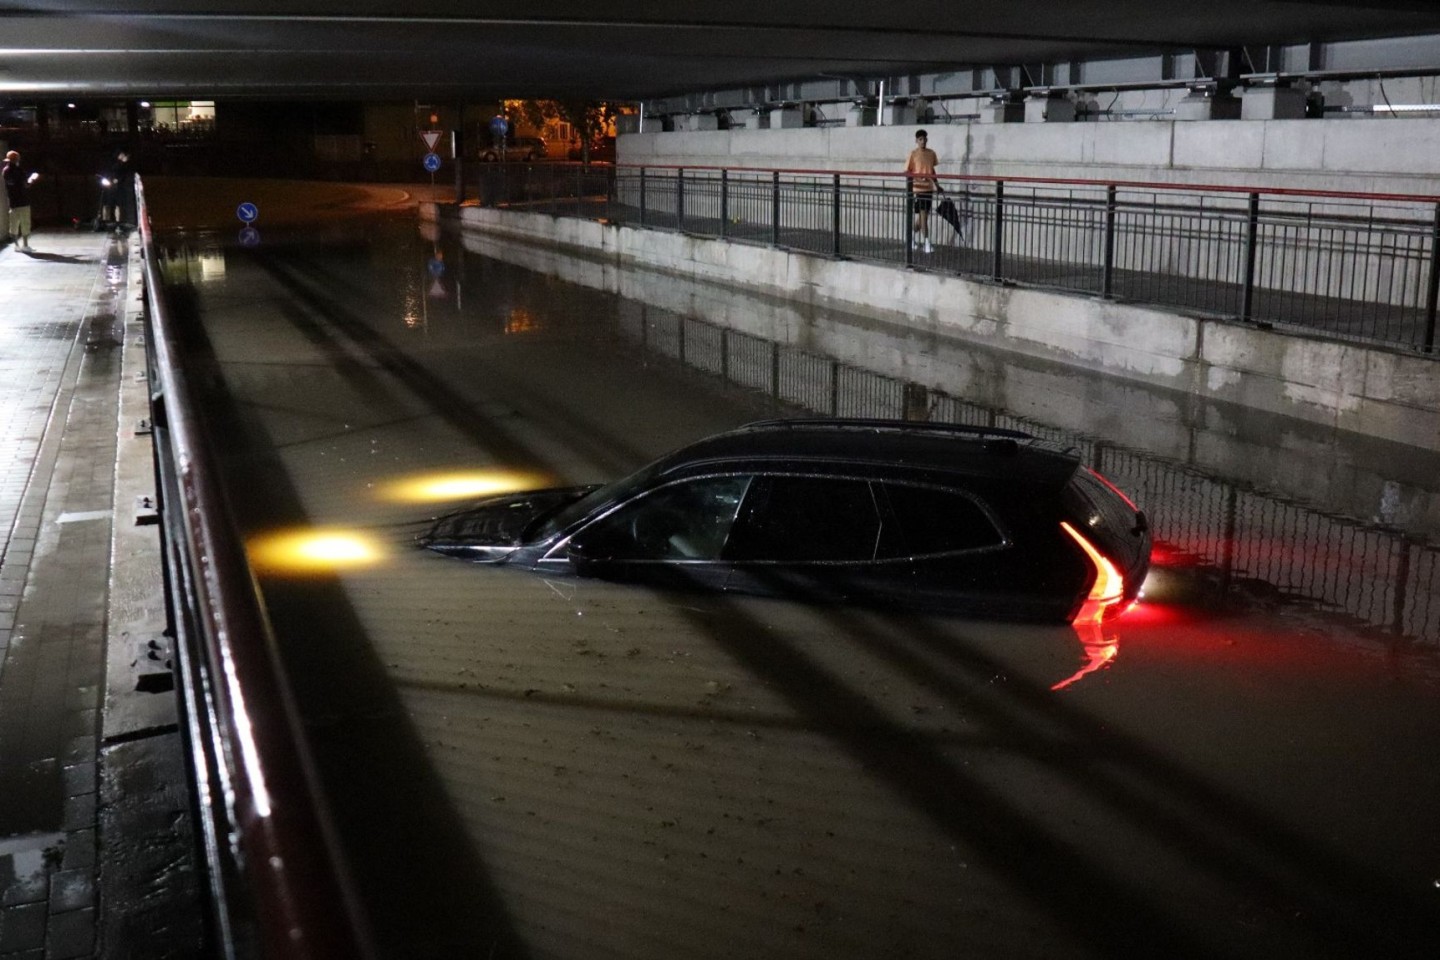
x,y
806,519
688,520
935,521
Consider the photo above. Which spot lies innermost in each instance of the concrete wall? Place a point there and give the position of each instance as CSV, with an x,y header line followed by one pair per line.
x,y
1391,155
1385,394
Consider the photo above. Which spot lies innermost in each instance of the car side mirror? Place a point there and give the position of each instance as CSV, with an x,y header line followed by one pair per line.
x,y
584,552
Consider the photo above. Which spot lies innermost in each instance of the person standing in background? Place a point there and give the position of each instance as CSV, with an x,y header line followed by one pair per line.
x,y
920,168
115,183
17,191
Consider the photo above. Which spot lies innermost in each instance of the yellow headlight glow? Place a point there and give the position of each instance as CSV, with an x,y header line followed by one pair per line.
x,y
313,551
467,485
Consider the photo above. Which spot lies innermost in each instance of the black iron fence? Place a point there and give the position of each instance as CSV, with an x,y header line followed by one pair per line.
x,y
1348,265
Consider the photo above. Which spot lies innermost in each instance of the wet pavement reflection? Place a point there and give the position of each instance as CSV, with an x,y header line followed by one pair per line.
x,y
1244,766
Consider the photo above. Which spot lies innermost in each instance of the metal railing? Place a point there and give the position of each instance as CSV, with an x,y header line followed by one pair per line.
x,y
1355,266
272,865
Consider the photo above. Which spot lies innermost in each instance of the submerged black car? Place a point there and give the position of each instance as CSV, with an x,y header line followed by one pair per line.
x,y
987,522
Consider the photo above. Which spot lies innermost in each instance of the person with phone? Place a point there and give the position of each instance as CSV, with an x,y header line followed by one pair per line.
x,y
17,191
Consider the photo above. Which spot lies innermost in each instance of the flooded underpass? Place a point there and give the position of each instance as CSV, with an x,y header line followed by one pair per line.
x,y
1246,766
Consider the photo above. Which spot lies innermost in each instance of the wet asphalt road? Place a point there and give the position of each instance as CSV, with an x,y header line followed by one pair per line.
x,y
1248,766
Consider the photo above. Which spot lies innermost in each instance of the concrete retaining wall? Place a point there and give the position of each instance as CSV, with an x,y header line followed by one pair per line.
x,y
1367,156
1385,394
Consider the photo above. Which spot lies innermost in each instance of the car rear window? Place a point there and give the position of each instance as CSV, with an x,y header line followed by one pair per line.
x,y
932,521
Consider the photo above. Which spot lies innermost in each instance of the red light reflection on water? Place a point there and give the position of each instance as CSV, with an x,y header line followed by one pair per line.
x,y
1099,649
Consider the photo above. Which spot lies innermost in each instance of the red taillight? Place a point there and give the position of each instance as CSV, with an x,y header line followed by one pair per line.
x,y
1108,588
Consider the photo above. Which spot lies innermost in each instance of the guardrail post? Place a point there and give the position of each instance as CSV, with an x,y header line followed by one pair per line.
x,y
1252,238
775,208
1107,283
775,371
1432,292
680,198
724,203
642,196
909,222
835,218
997,237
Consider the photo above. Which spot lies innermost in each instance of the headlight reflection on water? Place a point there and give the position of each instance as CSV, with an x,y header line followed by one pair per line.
x,y
461,485
313,551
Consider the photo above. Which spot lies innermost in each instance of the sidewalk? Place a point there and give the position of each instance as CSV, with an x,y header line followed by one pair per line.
x,y
74,793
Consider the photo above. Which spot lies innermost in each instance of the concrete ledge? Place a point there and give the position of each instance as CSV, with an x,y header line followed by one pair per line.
x,y
1386,156
1371,391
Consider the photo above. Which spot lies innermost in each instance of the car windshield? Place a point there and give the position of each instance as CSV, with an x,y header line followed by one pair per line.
x,y
596,501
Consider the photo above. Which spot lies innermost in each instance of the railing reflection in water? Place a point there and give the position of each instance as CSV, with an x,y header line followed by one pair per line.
x,y
1242,539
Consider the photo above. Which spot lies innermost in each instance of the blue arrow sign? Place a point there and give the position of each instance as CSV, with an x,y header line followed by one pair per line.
x,y
432,162
247,212
249,237
437,267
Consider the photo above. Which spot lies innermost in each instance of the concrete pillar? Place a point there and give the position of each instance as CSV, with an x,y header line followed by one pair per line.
x,y
860,115
746,119
787,118
1272,102
1002,111
900,115
1203,105
701,121
1049,110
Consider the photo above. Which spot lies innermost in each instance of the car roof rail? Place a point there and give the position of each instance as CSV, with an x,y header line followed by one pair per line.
x,y
905,426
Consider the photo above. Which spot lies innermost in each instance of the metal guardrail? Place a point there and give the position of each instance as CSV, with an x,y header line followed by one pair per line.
x,y
1355,266
273,871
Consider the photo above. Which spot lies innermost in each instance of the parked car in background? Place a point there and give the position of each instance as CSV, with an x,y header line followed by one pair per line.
x,y
524,149
602,152
987,522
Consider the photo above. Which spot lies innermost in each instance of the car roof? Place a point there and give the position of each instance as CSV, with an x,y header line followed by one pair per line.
x,y
913,445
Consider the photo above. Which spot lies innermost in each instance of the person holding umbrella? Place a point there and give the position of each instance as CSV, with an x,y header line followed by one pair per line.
x,y
920,168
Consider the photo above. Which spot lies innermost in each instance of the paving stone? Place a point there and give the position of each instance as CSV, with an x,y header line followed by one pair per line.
x,y
22,927
70,935
79,849
79,778
71,890
79,812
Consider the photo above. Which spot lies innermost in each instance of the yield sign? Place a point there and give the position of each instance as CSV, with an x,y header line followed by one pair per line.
x,y
431,137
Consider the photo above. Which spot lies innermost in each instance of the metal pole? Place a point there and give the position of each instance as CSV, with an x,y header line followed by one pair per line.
x,y
775,208
642,196
724,203
680,199
775,371
1402,586
835,219
997,239
909,222
1252,236
1432,292
1107,284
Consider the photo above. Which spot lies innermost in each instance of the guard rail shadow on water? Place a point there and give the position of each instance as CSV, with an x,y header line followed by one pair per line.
x,y
275,880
